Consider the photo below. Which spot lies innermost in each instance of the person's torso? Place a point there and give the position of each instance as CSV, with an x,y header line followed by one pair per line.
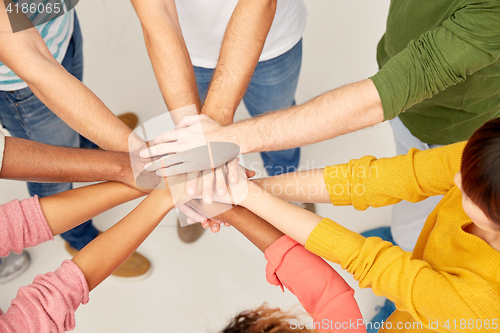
x,y
56,35
454,114
467,261
204,22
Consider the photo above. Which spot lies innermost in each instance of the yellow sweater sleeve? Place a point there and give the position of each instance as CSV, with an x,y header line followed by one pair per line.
x,y
380,182
391,272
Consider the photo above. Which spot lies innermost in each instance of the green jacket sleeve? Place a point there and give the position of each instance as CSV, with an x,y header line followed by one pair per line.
x,y
445,56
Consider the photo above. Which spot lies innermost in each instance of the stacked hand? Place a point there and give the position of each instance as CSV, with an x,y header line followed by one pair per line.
x,y
189,202
187,160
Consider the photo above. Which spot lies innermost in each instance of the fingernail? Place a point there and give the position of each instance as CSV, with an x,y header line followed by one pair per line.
x,y
143,153
159,173
221,191
147,165
233,179
207,199
191,190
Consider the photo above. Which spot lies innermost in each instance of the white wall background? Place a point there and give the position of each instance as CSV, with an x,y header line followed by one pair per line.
x,y
198,287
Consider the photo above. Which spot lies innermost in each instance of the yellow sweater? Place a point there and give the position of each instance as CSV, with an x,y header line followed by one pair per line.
x,y
451,281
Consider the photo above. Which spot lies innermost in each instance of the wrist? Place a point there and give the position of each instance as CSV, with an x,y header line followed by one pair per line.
x,y
163,199
231,133
122,168
222,118
254,191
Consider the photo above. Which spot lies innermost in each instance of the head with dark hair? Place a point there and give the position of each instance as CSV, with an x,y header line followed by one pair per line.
x,y
264,320
479,178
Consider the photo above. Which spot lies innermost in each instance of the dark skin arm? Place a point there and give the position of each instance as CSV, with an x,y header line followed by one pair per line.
x,y
32,161
255,229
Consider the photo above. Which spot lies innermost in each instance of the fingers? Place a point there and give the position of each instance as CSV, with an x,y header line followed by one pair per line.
x,y
220,180
188,121
191,214
164,137
232,167
208,186
160,149
250,173
175,170
192,183
164,162
215,227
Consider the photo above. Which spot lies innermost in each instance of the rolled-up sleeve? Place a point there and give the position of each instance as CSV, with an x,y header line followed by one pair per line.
x,y
442,57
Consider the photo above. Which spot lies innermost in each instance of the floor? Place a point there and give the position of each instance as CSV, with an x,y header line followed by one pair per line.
x,y
199,287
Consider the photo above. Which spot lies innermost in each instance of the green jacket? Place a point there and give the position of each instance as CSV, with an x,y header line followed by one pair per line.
x,y
440,67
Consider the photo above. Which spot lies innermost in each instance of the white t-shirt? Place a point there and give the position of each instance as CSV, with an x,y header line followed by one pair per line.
x,y
204,22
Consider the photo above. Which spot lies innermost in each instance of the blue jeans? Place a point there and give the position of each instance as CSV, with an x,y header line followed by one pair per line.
x,y
26,117
272,87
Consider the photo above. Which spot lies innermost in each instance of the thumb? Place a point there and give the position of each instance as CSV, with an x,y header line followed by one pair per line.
x,y
188,121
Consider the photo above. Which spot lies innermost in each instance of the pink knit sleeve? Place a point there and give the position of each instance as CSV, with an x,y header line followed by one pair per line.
x,y
49,303
323,293
22,225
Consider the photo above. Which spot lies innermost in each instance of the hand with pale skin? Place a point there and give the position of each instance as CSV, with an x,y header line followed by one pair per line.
x,y
191,131
221,204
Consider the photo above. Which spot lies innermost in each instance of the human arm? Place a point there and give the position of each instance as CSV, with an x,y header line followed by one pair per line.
x,y
168,53
106,253
375,263
32,221
439,58
53,298
239,54
362,183
28,57
289,264
32,161
299,186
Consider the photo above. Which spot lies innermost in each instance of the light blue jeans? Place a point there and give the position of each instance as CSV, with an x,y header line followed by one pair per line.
x,y
272,87
26,117
408,218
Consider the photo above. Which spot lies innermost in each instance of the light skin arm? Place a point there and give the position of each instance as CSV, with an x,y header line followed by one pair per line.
x,y
334,113
240,51
168,53
300,186
66,210
107,252
293,221
28,57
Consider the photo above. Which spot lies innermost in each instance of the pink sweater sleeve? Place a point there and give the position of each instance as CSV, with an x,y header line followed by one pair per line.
x,y
323,293
22,225
49,303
